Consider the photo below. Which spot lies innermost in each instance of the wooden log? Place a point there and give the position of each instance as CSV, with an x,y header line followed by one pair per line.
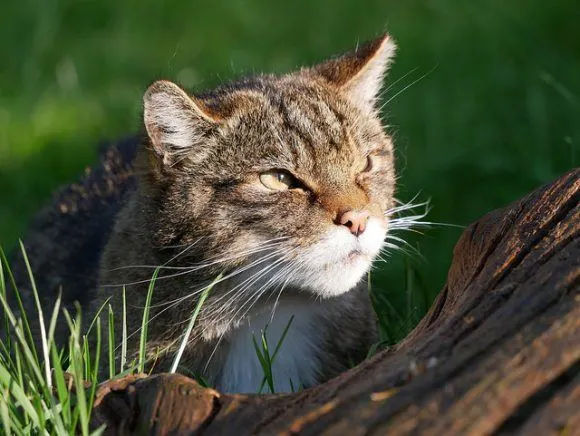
x,y
498,353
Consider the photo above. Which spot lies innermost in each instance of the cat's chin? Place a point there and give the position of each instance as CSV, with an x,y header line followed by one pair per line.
x,y
338,278
339,261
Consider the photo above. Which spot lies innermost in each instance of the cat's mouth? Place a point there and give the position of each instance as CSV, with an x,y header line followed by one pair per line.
x,y
356,255
339,261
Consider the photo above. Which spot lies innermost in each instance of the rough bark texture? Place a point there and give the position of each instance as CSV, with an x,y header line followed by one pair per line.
x,y
498,353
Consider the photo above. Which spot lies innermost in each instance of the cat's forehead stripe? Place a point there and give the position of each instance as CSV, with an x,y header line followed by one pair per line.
x,y
313,120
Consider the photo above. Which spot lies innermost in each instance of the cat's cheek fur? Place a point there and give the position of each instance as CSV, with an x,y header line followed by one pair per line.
x,y
339,261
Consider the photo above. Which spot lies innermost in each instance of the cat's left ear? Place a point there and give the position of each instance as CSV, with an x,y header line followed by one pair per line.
x,y
176,123
360,73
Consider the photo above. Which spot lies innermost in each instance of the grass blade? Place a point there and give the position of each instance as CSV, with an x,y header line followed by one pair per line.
x,y
4,294
20,396
78,372
4,413
263,356
53,319
24,346
87,367
97,314
145,322
26,325
124,338
111,331
60,384
95,373
273,358
282,338
43,335
192,320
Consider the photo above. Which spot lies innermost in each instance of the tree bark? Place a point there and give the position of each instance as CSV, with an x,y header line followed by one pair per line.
x,y
498,352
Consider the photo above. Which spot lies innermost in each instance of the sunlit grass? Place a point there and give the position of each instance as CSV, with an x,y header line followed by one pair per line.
x,y
53,393
38,397
266,356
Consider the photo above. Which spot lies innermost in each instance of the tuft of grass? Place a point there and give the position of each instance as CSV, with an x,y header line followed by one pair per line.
x,y
36,398
53,393
266,359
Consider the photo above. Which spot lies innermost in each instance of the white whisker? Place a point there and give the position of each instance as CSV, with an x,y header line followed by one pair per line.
x,y
197,267
392,84
198,291
251,300
414,82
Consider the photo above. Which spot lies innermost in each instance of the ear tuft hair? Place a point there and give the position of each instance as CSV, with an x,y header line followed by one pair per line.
x,y
360,73
175,122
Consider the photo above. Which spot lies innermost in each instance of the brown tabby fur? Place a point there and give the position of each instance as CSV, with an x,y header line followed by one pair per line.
x,y
198,198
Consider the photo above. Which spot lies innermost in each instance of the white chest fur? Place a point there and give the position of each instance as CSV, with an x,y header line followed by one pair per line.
x,y
296,363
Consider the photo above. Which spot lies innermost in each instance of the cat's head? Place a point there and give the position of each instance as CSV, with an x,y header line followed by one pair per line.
x,y
291,172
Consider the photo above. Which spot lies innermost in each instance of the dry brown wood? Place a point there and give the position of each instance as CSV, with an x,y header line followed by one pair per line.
x,y
498,353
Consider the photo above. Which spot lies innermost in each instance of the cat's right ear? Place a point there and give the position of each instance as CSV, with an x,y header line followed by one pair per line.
x,y
359,74
175,122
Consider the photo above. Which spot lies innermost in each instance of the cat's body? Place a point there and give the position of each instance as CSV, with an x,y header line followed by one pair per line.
x,y
279,184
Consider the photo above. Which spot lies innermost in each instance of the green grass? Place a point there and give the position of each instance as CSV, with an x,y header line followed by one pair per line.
x,y
493,112
35,397
190,325
266,359
53,393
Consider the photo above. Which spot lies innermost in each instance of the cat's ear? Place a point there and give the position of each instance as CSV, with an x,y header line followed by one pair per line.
x,y
175,122
360,73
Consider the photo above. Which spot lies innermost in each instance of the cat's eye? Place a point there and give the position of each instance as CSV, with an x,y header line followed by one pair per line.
x,y
279,180
368,166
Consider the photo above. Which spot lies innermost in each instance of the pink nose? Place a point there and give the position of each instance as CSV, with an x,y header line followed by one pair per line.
x,y
355,220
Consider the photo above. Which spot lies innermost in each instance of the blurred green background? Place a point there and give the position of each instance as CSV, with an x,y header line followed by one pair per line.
x,y
484,97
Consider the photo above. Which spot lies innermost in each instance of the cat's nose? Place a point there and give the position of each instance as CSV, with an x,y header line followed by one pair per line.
x,y
354,220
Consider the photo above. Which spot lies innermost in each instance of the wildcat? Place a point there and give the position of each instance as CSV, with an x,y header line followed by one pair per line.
x,y
273,189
